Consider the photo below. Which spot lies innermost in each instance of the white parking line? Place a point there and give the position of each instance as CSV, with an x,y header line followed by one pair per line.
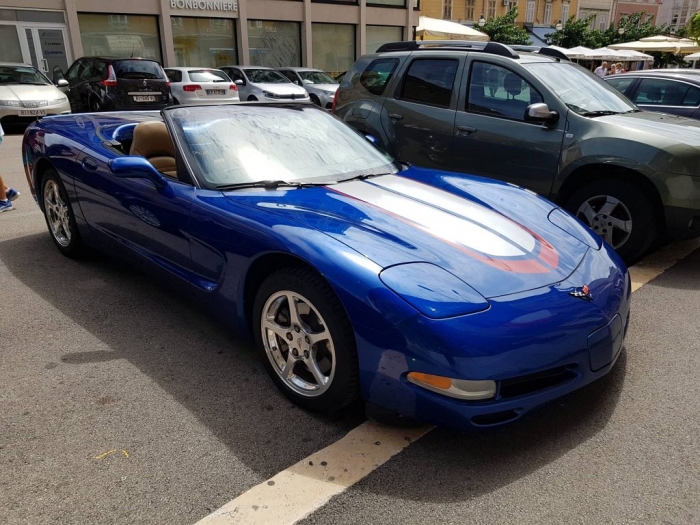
x,y
301,489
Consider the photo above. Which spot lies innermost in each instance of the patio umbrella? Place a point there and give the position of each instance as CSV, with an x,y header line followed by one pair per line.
x,y
662,44
580,53
694,56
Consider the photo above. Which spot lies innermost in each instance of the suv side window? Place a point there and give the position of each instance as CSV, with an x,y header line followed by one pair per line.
x,y
662,92
99,69
429,81
497,91
378,75
75,70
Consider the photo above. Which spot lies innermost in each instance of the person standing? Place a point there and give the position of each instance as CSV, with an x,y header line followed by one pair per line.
x,y
602,70
7,195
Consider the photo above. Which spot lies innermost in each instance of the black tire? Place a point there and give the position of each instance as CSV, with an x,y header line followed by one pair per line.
x,y
344,386
316,100
252,98
632,244
68,243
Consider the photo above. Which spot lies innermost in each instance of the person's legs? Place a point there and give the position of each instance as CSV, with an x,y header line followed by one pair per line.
x,y
3,189
6,194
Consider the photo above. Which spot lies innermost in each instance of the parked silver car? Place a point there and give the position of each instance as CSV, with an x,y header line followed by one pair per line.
x,y
196,85
26,94
264,83
320,86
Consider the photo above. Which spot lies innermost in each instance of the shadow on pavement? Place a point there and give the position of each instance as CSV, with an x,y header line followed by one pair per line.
x,y
193,358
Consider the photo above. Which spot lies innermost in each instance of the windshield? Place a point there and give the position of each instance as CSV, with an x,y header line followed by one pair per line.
x,y
138,69
316,77
579,89
244,144
22,75
208,75
266,76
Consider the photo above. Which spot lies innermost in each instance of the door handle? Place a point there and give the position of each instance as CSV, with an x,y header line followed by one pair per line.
x,y
89,165
395,116
467,130
45,63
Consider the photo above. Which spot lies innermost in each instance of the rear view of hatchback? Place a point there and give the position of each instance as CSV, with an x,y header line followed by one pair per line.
x,y
110,84
196,85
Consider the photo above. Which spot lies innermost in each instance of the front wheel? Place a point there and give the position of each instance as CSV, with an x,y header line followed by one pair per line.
x,y
59,215
620,213
252,98
306,340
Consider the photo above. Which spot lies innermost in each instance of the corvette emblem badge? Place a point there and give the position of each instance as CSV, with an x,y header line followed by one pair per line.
x,y
582,293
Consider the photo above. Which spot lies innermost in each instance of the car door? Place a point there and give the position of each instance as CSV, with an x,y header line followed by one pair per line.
x,y
133,215
667,96
76,84
293,76
237,75
419,118
491,136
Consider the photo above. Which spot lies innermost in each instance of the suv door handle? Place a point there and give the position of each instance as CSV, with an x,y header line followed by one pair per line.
x,y
467,130
395,116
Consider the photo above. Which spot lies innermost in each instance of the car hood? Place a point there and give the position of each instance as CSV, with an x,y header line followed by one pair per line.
x,y
28,92
282,89
393,220
671,129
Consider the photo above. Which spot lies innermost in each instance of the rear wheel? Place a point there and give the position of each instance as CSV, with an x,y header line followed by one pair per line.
x,y
306,340
59,215
620,213
252,98
315,100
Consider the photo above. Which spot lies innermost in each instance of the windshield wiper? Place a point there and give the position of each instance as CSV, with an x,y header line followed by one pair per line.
x,y
600,113
270,185
365,176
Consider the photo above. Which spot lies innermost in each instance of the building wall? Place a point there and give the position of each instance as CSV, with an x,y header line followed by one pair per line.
x,y
463,9
627,7
676,13
389,17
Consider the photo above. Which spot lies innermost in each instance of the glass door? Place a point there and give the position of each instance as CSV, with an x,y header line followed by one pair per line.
x,y
10,48
46,48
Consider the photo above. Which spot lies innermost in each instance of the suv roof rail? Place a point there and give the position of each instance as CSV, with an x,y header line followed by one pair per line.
x,y
493,48
547,51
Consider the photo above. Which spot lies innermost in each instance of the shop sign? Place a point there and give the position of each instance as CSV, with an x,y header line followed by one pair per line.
x,y
205,5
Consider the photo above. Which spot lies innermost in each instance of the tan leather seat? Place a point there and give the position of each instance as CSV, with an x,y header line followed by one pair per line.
x,y
152,140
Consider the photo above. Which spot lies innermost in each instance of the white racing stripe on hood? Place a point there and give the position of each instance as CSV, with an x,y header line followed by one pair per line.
x,y
443,215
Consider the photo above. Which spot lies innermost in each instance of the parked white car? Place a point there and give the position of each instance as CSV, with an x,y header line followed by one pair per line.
x,y
320,85
198,85
264,83
26,94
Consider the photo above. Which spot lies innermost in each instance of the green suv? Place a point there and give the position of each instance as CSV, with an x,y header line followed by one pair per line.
x,y
537,120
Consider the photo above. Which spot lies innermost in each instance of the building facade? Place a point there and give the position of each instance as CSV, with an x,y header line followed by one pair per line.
x,y
328,34
600,12
649,9
531,13
676,13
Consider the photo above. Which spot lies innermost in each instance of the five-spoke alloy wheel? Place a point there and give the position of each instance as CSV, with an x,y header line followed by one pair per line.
x,y
59,215
307,340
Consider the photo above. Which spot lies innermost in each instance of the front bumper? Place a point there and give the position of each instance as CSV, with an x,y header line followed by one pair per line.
x,y
537,346
14,115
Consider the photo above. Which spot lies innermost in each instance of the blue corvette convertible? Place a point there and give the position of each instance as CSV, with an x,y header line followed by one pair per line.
x,y
451,299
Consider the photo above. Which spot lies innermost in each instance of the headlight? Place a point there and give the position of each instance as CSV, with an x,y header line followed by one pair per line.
x,y
10,103
329,93
270,95
57,101
434,292
575,228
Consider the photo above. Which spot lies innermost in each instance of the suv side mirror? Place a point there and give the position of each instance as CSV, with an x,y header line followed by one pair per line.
x,y
540,112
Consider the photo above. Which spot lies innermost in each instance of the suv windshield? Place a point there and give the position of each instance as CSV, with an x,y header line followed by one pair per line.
x,y
138,69
22,75
266,76
580,89
287,143
316,77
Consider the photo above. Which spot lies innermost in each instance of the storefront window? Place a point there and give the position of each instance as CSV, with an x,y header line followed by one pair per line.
x,y
401,3
274,44
333,47
120,35
204,42
9,44
378,35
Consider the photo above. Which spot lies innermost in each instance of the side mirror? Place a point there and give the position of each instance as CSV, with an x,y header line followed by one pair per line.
x,y
238,82
62,83
372,139
540,112
135,167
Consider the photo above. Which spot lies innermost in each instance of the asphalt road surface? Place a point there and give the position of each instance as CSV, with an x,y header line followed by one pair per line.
x,y
121,403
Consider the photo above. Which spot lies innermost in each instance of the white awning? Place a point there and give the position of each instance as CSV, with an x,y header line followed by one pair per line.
x,y
434,29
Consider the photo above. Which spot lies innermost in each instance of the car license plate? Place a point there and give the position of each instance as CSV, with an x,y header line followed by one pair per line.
x,y
216,91
144,98
32,112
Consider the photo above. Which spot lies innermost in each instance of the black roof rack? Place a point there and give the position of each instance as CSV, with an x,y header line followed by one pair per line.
x,y
547,51
493,48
